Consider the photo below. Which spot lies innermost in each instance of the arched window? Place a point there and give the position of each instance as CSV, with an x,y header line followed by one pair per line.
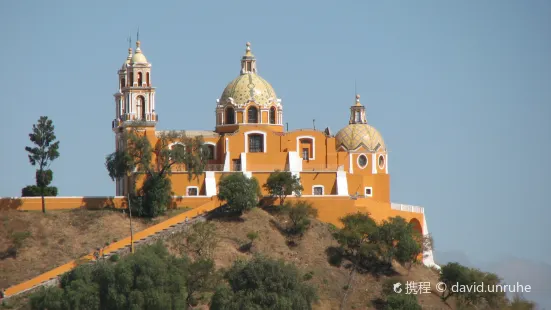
x,y
358,116
123,83
131,79
230,116
147,79
140,81
256,143
252,115
140,108
211,151
272,115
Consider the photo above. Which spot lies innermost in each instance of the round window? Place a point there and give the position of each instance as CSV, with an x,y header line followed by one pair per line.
x,y
362,161
381,161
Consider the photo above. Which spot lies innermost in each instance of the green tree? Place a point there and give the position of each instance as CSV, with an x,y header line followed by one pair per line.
x,y
149,279
42,154
240,192
299,216
452,274
280,184
354,240
397,240
519,303
263,283
139,157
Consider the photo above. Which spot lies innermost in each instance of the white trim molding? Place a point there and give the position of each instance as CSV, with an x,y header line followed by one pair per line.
x,y
370,191
174,143
264,147
188,188
374,163
313,155
358,161
322,190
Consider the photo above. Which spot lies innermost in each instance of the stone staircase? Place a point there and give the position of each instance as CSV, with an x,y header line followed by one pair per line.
x,y
178,223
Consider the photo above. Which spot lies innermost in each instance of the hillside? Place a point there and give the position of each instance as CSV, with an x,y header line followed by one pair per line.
x,y
58,237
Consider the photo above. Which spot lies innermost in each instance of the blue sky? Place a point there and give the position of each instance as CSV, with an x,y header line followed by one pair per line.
x,y
460,90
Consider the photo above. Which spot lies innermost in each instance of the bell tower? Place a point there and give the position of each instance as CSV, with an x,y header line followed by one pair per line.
x,y
135,99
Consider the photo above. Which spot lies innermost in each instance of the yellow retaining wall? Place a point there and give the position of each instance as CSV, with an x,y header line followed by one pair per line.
x,y
66,203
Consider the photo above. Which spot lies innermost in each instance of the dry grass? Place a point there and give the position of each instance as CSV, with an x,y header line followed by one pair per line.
x,y
84,230
58,237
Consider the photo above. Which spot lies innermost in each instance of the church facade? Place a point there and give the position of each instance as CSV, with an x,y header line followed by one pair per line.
x,y
341,173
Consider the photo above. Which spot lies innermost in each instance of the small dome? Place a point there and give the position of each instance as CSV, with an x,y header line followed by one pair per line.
x,y
128,59
353,136
249,86
139,57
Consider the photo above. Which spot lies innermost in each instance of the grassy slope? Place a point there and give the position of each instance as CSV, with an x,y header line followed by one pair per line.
x,y
82,231
59,237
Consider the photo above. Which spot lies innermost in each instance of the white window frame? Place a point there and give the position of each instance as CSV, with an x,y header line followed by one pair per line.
x,y
358,161
265,146
214,145
370,190
299,150
187,191
379,161
322,190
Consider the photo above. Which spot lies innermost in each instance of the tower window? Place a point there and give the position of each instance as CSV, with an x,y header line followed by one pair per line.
x,y
248,66
381,161
123,83
131,78
272,115
252,115
256,143
147,79
358,116
140,81
230,116
362,161
140,108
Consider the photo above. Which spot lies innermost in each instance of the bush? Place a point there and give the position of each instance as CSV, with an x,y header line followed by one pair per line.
x,y
299,215
114,258
264,284
240,192
402,302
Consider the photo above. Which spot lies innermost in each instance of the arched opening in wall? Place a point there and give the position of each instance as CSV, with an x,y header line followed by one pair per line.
x,y
140,108
177,152
416,225
131,79
381,161
230,116
358,116
252,115
140,81
256,143
123,83
272,115
306,148
147,81
210,151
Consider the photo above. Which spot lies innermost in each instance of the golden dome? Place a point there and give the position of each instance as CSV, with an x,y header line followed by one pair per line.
x,y
355,135
249,86
138,57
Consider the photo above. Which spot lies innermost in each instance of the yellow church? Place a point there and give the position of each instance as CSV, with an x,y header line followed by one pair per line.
x,y
341,173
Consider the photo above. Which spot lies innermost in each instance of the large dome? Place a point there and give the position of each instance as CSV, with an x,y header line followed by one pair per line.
x,y
249,86
355,135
